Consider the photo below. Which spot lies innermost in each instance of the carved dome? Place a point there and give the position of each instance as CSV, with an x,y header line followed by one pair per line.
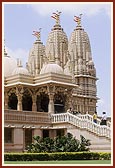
x,y
20,70
51,68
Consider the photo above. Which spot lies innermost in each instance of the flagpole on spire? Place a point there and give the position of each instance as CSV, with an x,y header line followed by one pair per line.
x,y
56,16
78,19
37,34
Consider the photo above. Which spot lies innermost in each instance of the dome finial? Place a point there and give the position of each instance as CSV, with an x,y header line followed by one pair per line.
x,y
56,16
78,19
37,34
19,63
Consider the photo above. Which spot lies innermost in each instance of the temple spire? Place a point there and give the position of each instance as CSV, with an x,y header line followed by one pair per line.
x,y
56,16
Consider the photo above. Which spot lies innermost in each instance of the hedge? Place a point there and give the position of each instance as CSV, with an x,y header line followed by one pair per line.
x,y
57,156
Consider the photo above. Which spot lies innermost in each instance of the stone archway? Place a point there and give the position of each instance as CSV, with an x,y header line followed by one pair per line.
x,y
42,102
12,102
59,102
27,101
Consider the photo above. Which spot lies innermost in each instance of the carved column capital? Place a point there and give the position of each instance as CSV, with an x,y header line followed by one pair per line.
x,y
34,97
19,90
51,89
51,96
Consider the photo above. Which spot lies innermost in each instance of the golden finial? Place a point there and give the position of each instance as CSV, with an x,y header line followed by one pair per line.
x,y
56,16
37,34
78,19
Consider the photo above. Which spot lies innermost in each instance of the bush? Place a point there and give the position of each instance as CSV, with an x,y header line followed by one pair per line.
x,y
105,156
57,156
66,143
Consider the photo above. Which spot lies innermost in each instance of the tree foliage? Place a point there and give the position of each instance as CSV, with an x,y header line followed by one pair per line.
x,y
66,143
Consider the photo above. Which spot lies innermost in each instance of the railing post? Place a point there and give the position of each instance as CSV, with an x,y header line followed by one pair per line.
x,y
67,116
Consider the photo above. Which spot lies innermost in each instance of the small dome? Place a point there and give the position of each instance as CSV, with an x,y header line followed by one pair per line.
x,y
51,67
9,65
20,70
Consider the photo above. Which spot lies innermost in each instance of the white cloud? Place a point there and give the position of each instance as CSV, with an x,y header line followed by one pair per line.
x,y
20,53
89,9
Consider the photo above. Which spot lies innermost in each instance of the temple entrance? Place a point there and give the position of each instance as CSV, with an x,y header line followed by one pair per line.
x,y
45,133
42,103
60,132
12,103
59,107
27,101
59,103
28,137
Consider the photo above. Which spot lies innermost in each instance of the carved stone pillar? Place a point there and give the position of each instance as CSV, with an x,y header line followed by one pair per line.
x,y
6,100
19,105
19,93
51,92
34,106
66,105
70,102
51,103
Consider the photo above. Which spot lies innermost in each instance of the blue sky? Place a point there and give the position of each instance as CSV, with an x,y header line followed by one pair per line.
x,y
21,19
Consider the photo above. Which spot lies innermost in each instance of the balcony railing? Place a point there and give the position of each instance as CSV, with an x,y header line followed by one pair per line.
x,y
26,116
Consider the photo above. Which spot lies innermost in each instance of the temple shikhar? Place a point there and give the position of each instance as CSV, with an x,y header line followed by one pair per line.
x,y
57,76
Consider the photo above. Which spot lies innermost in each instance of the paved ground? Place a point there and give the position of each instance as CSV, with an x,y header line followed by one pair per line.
x,y
67,162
